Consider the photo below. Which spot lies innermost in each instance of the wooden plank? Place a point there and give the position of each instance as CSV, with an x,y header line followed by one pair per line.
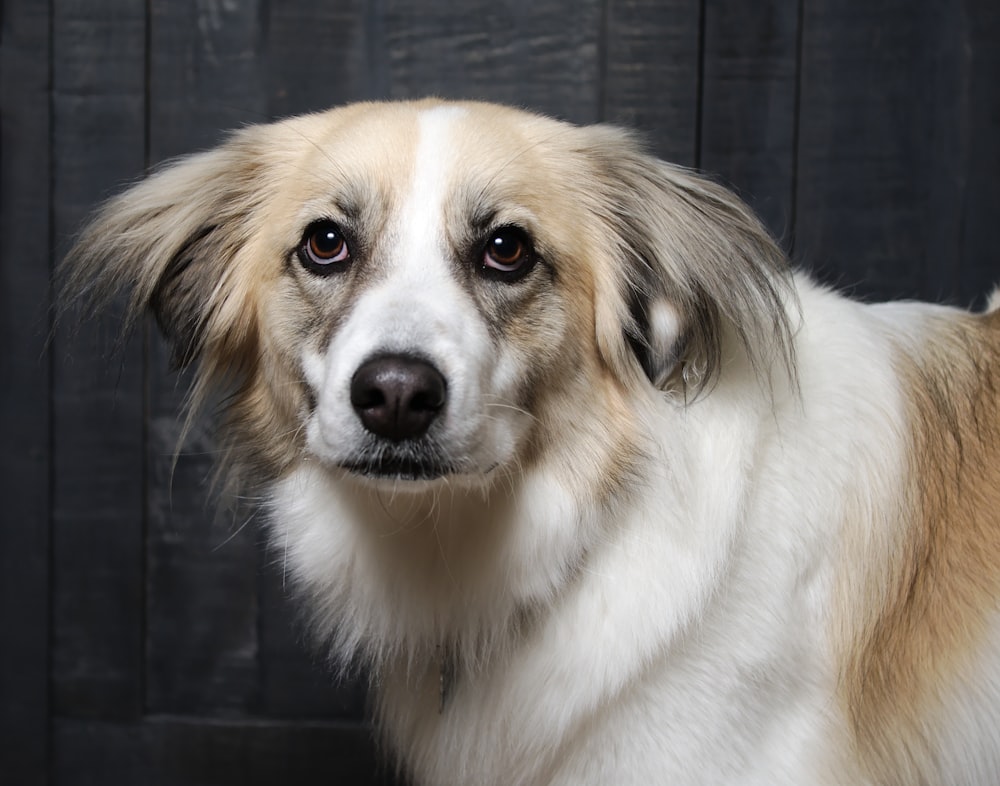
x,y
328,66
652,70
205,78
206,72
748,103
976,45
167,751
296,678
24,397
97,612
543,56
202,623
881,195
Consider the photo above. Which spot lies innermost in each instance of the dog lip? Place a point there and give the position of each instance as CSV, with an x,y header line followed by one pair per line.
x,y
393,468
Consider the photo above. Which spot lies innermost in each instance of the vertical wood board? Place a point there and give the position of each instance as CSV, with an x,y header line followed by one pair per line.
x,y
25,424
748,95
98,408
652,73
205,78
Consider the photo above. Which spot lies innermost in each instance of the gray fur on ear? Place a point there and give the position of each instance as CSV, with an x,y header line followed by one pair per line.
x,y
693,263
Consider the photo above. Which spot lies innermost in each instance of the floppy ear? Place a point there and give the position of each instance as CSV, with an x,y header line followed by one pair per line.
x,y
692,264
170,243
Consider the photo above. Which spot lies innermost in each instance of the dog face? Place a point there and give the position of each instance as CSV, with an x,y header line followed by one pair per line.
x,y
443,302
417,292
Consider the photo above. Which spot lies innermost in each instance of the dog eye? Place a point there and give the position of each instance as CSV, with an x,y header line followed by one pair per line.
x,y
323,248
508,254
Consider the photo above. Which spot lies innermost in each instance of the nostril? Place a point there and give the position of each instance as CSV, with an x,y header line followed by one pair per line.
x,y
430,399
397,396
367,397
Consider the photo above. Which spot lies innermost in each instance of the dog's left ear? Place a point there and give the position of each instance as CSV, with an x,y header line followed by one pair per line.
x,y
691,266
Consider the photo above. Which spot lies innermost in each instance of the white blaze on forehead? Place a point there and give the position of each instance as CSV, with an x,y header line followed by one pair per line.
x,y
421,220
417,306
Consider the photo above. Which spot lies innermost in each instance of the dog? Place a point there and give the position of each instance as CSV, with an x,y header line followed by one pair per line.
x,y
560,449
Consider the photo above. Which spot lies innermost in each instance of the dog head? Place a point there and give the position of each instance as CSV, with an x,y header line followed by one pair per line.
x,y
417,291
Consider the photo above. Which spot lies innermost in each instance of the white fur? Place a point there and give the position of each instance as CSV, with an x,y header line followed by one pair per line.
x,y
691,648
692,644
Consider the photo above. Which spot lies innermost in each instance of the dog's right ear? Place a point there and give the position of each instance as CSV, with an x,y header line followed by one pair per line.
x,y
171,243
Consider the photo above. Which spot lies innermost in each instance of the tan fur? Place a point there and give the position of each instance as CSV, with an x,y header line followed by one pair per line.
x,y
922,615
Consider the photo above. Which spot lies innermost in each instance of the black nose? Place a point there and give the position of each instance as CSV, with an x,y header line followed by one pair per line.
x,y
397,396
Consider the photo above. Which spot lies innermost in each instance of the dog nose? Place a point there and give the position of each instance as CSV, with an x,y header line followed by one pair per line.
x,y
397,396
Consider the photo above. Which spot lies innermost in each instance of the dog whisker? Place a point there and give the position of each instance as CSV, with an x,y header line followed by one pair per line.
x,y
235,533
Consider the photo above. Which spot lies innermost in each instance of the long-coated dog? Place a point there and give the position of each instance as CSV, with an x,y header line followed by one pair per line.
x,y
557,446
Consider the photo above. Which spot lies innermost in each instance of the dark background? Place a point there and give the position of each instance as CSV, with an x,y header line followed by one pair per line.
x,y
144,640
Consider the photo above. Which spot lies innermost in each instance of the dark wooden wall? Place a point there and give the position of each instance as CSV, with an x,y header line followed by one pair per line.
x,y
146,642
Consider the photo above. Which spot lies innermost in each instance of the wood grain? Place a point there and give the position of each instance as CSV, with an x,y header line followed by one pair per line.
x,y
167,751
150,640
884,156
25,424
202,648
749,94
98,406
652,73
541,56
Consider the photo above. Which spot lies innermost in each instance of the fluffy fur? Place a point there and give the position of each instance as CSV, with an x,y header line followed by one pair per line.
x,y
679,516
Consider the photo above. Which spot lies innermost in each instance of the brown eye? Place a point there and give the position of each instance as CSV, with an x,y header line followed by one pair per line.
x,y
324,248
508,253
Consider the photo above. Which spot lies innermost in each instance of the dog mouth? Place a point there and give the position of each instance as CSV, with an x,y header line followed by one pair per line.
x,y
398,467
396,470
